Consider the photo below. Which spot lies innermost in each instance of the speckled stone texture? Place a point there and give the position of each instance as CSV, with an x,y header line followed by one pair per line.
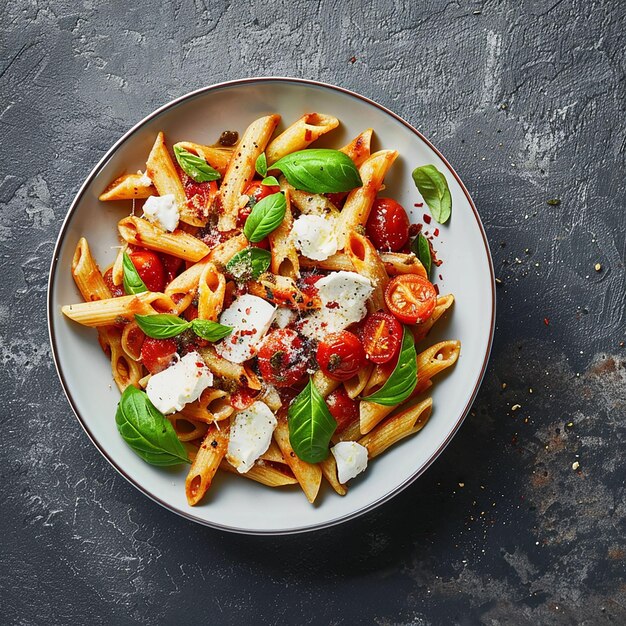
x,y
527,99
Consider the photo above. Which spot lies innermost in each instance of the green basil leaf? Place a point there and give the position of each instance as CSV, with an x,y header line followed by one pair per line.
x,y
421,248
265,217
403,379
131,280
161,326
194,166
261,165
270,181
249,264
147,431
433,186
210,330
310,425
319,170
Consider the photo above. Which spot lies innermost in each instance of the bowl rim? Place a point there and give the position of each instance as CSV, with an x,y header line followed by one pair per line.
x,y
53,273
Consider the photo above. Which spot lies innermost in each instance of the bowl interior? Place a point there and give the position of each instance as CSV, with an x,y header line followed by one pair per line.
x,y
234,503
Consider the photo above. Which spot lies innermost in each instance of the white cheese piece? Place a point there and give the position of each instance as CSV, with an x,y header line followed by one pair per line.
x,y
343,297
250,436
179,384
351,459
162,211
145,179
284,317
315,236
250,318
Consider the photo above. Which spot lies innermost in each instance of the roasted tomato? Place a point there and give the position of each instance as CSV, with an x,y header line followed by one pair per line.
x,y
411,298
388,225
171,265
282,359
116,290
381,337
343,408
150,268
340,355
242,398
157,354
256,192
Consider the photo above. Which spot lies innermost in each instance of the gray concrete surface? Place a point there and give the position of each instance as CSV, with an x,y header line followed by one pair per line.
x,y
527,99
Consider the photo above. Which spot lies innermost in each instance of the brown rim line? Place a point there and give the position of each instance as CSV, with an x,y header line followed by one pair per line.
x,y
52,278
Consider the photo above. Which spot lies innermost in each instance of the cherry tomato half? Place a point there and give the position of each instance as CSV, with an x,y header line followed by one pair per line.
x,y
381,337
410,298
281,358
340,355
157,354
242,398
150,268
171,265
256,192
388,225
343,408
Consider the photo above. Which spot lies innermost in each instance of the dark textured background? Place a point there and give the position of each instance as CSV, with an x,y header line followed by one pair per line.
x,y
527,100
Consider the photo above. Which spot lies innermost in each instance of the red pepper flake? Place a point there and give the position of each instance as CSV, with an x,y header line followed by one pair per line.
x,y
436,289
546,321
248,311
333,305
353,60
419,205
436,232
426,218
198,364
414,229
246,332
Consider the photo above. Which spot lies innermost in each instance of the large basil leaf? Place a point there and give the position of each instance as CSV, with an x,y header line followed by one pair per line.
x,y
319,171
161,326
310,425
210,330
270,181
147,431
433,186
249,264
131,280
194,166
403,379
266,216
421,248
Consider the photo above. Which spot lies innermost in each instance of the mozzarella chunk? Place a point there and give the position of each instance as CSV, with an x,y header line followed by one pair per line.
x,y
315,236
344,298
179,384
162,211
250,436
284,317
145,179
250,318
351,459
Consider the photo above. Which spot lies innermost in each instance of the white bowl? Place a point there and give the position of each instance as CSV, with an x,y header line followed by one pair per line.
x,y
233,503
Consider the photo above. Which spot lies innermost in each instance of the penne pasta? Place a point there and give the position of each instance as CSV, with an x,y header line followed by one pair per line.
x,y
273,454
443,304
355,385
87,275
140,232
125,370
241,169
359,202
400,263
132,340
359,148
128,187
308,475
233,372
206,463
187,429
283,291
329,470
284,256
211,290
117,272
217,157
308,203
325,385
366,262
212,406
264,473
407,422
299,135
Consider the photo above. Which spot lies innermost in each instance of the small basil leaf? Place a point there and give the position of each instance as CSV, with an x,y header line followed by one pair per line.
x,y
319,171
249,264
210,330
131,280
194,166
403,379
421,248
147,431
433,186
270,181
310,425
161,326
261,165
265,217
